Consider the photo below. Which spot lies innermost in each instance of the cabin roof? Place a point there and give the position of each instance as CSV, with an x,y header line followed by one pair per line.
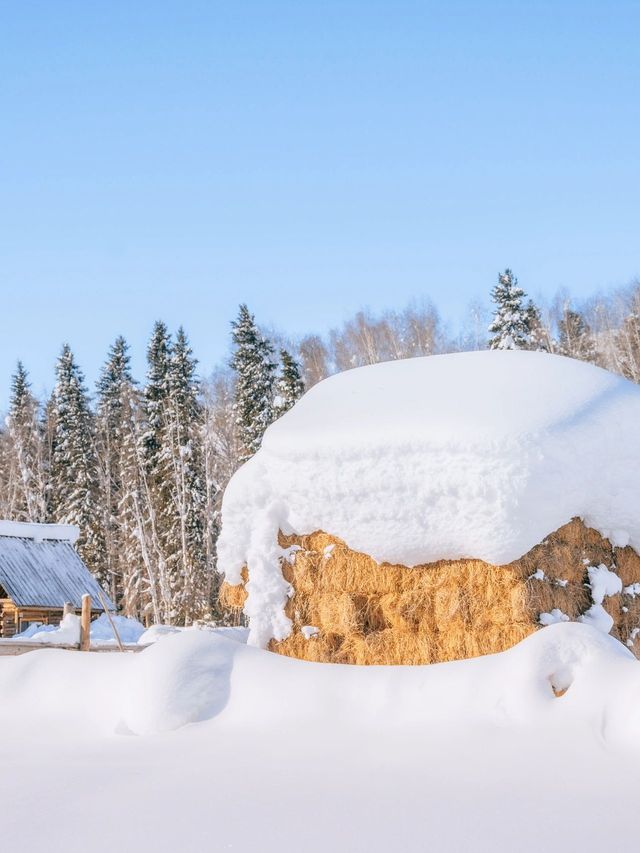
x,y
37,570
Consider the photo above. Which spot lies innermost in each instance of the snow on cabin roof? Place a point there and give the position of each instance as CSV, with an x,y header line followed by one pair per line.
x,y
477,454
39,532
43,570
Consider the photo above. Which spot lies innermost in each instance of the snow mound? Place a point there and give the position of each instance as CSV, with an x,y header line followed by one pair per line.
x,y
183,679
129,630
563,676
68,632
466,455
158,632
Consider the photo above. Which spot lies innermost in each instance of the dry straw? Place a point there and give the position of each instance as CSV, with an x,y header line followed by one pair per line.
x,y
368,613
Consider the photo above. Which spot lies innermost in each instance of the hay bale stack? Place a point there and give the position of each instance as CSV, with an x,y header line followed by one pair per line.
x,y
482,495
346,608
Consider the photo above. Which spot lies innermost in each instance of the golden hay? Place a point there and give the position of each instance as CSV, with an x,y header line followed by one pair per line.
x,y
368,613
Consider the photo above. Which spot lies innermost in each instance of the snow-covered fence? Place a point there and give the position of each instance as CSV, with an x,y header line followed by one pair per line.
x,y
11,647
74,633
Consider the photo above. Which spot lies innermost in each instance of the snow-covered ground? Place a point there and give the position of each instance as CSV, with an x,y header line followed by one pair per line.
x,y
203,743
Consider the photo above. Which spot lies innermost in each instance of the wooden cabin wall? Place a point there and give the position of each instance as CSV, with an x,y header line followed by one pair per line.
x,y
8,618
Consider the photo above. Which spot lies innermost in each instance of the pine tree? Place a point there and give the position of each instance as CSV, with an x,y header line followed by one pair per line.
x,y
74,468
186,540
539,339
27,482
289,385
509,328
157,474
254,367
575,338
156,392
116,435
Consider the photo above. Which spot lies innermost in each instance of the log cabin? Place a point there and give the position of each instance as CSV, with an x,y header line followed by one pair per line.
x,y
40,572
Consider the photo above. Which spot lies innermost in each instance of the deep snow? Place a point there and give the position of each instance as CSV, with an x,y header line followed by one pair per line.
x,y
466,455
200,742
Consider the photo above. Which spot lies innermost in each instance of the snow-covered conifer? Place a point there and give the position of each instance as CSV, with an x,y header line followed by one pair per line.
x,y
155,449
539,337
289,385
187,530
156,393
255,376
26,446
74,469
509,328
117,428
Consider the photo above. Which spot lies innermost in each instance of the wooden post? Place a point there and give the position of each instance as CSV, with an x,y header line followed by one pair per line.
x,y
85,624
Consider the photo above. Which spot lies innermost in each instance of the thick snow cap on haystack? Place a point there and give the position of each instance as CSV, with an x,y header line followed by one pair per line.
x,y
467,455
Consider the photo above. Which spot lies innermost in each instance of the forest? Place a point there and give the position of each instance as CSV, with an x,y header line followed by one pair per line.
x,y
141,467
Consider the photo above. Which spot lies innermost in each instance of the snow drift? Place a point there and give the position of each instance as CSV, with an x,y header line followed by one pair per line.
x,y
566,674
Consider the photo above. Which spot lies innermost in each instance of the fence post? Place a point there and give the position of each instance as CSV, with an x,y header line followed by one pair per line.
x,y
85,624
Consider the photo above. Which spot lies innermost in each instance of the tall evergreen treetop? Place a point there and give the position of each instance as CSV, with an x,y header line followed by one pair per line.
x,y
74,463
183,382
157,389
255,376
289,385
509,328
114,377
20,390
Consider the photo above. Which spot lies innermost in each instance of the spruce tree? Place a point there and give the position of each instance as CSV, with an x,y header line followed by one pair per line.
x,y
539,340
156,393
155,448
26,445
116,434
254,368
74,468
186,540
509,328
575,338
289,385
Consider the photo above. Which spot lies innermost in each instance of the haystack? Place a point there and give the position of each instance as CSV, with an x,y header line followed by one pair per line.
x,y
347,538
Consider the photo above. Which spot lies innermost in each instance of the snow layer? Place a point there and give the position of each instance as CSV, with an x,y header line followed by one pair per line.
x,y
201,743
264,753
40,532
466,455
66,633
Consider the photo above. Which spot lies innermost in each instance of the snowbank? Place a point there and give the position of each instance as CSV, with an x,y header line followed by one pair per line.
x,y
68,632
194,676
466,455
157,632
129,630
535,748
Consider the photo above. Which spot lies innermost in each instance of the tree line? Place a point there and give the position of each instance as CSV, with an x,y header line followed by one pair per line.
x,y
141,468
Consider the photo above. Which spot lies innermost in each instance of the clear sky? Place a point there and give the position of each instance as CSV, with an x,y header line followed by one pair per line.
x,y
170,159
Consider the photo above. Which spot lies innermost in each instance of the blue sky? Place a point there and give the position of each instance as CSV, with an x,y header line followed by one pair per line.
x,y
171,159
